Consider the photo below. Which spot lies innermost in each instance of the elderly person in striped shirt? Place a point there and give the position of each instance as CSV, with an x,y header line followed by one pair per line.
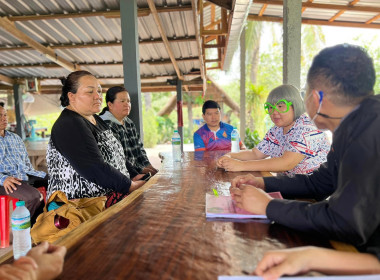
x,y
116,116
17,175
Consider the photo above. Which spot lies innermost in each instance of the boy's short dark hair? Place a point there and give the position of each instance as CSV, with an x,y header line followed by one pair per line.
x,y
347,70
2,104
210,104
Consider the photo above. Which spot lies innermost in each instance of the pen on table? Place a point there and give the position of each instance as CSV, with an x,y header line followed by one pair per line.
x,y
215,192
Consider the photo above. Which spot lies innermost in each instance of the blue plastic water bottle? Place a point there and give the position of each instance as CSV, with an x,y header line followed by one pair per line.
x,y
22,242
235,139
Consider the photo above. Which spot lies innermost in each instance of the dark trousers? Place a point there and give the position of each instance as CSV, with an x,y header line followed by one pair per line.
x,y
27,192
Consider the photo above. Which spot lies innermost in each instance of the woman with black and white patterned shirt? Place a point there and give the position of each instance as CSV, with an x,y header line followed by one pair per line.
x,y
84,158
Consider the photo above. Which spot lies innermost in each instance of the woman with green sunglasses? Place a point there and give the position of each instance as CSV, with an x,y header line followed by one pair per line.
x,y
292,146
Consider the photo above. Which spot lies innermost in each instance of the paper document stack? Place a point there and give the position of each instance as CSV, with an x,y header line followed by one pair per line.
x,y
224,207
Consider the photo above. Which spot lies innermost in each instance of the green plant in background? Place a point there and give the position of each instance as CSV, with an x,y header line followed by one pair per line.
x,y
150,128
165,129
45,121
255,99
252,138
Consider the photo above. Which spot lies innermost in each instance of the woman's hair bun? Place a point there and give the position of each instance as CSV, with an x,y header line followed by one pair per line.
x,y
63,80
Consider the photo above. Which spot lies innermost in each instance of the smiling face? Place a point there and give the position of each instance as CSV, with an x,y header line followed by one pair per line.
x,y
3,119
121,106
283,119
87,100
212,118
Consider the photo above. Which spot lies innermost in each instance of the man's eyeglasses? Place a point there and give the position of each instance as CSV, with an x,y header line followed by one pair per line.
x,y
282,106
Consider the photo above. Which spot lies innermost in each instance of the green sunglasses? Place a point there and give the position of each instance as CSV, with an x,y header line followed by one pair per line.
x,y
282,106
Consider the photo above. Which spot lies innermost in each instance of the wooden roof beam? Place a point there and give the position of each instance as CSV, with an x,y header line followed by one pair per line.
x,y
120,63
213,24
199,46
48,52
341,12
373,19
6,80
262,10
213,46
172,89
57,89
100,44
153,9
107,14
370,9
304,8
105,79
317,22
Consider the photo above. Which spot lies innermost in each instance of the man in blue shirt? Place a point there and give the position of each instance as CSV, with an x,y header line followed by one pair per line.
x,y
17,174
214,135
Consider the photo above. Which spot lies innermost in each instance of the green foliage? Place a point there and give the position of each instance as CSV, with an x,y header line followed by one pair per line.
x,y
252,138
255,99
46,120
269,74
165,128
159,100
313,40
372,46
150,128
199,100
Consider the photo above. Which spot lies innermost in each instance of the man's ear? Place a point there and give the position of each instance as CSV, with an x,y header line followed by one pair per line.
x,y
320,94
317,97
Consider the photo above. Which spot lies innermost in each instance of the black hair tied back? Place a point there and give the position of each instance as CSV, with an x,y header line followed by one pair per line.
x,y
63,80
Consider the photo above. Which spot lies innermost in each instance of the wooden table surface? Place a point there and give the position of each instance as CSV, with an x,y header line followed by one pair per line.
x,y
160,231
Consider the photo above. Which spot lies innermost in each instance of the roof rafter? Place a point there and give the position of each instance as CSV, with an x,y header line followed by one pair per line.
x,y
199,47
304,8
118,63
107,14
341,12
10,27
6,80
262,10
370,9
317,22
153,9
373,19
99,44
160,86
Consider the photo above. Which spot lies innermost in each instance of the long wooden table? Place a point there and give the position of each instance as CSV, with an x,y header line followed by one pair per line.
x,y
160,231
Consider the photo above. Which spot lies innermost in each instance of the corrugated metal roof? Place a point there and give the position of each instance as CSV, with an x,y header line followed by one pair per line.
x,y
94,42
99,29
239,17
326,13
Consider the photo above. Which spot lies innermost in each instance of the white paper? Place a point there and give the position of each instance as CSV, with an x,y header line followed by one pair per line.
x,y
345,277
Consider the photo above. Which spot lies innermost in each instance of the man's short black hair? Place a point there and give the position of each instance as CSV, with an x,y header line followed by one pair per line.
x,y
347,70
210,104
2,104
